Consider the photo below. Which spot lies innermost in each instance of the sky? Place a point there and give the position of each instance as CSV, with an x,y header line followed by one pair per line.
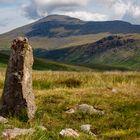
x,y
16,13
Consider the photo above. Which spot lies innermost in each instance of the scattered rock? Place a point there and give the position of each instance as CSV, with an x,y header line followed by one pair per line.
x,y
18,98
70,111
87,128
85,108
114,90
13,133
68,132
3,120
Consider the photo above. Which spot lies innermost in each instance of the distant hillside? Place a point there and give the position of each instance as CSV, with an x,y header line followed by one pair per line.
x,y
112,52
56,31
41,64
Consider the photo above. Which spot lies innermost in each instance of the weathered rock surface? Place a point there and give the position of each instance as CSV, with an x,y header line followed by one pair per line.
x,y
13,133
70,111
84,108
17,98
3,120
68,132
87,128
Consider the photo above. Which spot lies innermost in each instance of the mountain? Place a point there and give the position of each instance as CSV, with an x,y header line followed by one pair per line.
x,y
56,31
100,45
64,26
112,52
70,27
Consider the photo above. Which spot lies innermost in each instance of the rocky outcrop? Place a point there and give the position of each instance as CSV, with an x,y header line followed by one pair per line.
x,y
18,98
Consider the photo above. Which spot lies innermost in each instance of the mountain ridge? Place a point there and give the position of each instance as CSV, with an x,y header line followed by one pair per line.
x,y
46,32
86,27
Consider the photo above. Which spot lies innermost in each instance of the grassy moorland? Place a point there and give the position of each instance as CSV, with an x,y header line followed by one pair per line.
x,y
43,64
56,92
54,43
119,52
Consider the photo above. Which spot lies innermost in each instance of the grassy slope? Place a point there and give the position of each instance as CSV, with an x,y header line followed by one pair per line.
x,y
41,64
54,95
3,60
54,43
120,58
124,59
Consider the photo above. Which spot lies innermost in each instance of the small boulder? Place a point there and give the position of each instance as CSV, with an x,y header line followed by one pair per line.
x,y
70,111
114,91
3,120
87,128
13,133
85,108
68,132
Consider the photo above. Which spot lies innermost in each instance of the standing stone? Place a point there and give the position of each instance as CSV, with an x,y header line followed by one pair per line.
x,y
18,98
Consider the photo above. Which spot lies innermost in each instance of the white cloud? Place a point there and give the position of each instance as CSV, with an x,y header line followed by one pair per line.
x,y
61,2
120,9
136,11
86,16
41,8
123,8
106,9
114,9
